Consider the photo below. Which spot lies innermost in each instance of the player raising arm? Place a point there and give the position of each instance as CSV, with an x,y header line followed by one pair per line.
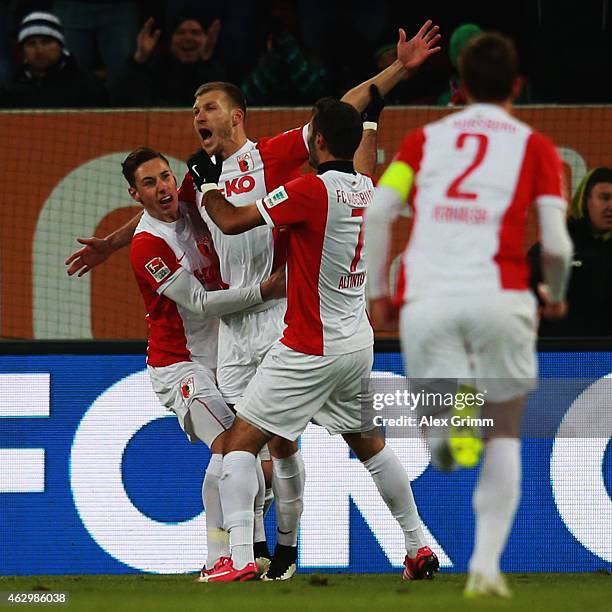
x,y
467,312
315,372
250,170
410,55
169,260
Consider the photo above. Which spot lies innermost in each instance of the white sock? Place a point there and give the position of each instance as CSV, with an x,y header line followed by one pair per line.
x,y
217,538
238,486
495,501
288,477
268,500
394,487
259,531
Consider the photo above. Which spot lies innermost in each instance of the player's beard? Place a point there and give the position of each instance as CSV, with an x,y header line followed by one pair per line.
x,y
224,135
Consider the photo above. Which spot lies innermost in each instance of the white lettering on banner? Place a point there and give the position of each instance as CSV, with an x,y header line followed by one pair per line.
x,y
100,498
576,473
332,478
23,470
23,395
61,304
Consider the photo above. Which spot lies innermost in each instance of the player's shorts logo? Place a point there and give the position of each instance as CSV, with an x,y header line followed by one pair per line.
x,y
158,269
187,387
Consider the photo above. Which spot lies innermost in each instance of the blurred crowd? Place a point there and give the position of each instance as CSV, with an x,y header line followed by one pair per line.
x,y
92,53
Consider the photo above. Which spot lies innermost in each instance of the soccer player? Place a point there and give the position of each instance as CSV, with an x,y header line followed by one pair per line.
x,y
170,263
315,372
467,311
250,170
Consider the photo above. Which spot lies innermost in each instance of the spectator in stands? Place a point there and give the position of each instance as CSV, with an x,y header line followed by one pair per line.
x,y
183,66
5,50
285,74
589,296
49,76
100,33
454,96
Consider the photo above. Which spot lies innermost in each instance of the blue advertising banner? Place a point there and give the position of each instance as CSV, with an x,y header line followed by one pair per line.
x,y
96,477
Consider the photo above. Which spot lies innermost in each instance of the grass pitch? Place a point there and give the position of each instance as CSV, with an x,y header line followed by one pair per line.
x,y
314,592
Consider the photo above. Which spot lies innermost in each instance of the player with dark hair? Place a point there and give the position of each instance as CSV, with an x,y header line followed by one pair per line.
x,y
315,372
249,171
169,260
467,310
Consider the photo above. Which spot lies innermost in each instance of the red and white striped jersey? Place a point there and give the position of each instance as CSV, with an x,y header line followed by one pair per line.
x,y
476,173
158,251
326,306
254,170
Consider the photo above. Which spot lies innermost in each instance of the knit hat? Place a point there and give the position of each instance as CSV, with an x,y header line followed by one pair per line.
x,y
41,24
460,37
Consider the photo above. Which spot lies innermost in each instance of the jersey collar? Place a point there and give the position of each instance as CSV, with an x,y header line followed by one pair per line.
x,y
338,165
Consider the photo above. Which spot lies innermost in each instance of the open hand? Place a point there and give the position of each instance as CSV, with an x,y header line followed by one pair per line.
x,y
212,36
412,53
146,41
95,252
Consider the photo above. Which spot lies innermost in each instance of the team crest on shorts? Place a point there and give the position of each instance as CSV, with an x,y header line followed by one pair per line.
x,y
245,162
187,387
157,269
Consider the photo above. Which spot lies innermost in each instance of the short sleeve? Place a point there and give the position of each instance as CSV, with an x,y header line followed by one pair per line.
x,y
289,148
153,261
295,202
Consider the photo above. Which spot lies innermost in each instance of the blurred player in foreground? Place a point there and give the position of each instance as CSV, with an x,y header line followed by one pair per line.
x,y
250,170
467,309
170,262
315,372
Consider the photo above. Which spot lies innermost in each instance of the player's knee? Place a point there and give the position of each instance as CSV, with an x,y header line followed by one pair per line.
x,y
365,447
245,437
280,448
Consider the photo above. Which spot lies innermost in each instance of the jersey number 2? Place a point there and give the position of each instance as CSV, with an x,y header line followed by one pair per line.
x,y
454,191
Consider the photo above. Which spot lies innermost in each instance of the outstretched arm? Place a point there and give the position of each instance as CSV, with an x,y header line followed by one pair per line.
x,y
410,55
97,250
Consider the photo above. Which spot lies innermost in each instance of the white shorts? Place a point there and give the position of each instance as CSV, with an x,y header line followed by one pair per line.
x,y
244,340
290,389
490,338
189,390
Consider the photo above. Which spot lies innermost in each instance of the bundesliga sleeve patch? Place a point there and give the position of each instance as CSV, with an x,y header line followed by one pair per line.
x,y
275,197
158,269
